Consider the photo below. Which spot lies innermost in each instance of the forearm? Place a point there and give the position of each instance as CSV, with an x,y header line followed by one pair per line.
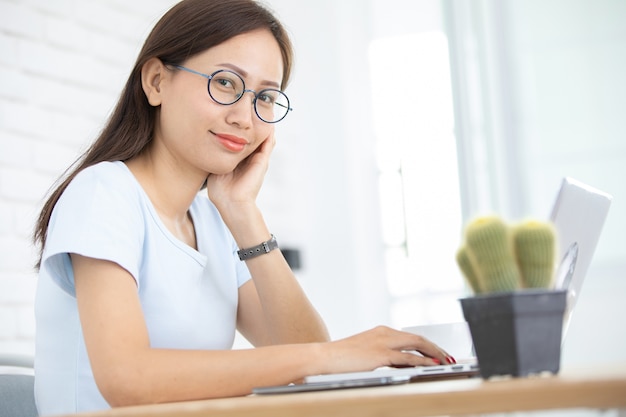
x,y
289,315
161,375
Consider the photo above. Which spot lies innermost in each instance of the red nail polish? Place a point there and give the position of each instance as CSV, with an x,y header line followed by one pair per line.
x,y
437,361
451,359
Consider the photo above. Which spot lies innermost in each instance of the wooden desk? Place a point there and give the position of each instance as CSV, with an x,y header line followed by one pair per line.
x,y
606,390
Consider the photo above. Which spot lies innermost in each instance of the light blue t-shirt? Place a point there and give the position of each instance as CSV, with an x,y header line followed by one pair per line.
x,y
188,297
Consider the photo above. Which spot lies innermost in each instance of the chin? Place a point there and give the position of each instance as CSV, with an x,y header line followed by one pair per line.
x,y
222,170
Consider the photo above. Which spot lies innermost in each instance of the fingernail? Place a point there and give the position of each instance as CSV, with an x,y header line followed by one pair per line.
x,y
451,359
437,361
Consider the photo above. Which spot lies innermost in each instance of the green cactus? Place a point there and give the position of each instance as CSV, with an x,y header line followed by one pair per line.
x,y
464,262
496,257
535,250
490,249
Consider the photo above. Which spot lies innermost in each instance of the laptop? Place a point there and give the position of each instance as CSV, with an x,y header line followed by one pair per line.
x,y
578,215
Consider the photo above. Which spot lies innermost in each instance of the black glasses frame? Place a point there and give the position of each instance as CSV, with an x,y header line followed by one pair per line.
x,y
209,77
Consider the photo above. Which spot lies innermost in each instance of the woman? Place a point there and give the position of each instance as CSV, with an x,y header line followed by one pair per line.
x,y
142,280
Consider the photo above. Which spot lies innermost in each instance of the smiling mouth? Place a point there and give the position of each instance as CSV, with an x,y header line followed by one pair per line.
x,y
232,143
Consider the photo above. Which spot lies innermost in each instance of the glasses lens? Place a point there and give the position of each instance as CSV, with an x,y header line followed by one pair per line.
x,y
271,105
225,87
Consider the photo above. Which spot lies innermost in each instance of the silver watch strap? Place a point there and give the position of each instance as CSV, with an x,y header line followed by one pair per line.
x,y
260,249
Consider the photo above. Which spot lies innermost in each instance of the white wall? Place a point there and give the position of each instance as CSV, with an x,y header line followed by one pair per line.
x,y
570,91
321,195
64,62
552,104
541,86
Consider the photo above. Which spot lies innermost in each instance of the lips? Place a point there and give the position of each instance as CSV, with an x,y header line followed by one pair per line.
x,y
231,142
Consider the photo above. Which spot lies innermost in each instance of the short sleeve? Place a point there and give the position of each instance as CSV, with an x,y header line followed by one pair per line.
x,y
99,215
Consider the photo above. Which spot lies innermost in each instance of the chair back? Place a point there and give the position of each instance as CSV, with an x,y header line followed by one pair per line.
x,y
17,386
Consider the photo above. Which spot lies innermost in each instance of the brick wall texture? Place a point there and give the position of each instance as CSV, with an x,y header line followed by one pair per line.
x,y
62,66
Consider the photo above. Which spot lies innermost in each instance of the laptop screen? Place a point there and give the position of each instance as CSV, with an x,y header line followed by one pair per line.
x,y
578,214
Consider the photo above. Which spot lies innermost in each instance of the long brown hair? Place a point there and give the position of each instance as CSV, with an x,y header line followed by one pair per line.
x,y
189,28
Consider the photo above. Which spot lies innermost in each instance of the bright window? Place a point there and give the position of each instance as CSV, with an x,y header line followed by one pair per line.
x,y
419,184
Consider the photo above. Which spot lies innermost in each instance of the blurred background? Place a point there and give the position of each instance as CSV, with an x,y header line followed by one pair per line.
x,y
410,117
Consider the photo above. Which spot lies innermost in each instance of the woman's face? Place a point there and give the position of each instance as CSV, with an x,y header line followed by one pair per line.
x,y
212,137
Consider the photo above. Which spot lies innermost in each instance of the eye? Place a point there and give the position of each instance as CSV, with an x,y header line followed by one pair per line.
x,y
224,83
267,97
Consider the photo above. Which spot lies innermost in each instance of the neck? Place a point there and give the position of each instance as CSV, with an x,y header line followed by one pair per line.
x,y
170,187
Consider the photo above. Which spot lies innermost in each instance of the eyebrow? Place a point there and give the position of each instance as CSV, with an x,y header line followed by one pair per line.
x,y
245,74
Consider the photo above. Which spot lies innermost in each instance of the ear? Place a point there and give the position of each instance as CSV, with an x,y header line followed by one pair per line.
x,y
152,76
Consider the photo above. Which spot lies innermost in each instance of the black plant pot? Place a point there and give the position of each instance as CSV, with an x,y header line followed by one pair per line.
x,y
516,333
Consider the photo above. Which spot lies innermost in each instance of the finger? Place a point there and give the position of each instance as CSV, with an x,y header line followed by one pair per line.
x,y
412,343
263,150
436,353
268,143
431,350
441,359
411,359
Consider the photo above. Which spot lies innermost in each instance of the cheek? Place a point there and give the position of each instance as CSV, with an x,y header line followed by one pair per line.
x,y
265,131
186,98
186,114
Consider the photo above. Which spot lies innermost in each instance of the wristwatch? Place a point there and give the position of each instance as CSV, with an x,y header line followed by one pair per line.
x,y
260,249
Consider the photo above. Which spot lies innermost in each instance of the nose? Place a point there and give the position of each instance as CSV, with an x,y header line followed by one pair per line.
x,y
253,95
242,111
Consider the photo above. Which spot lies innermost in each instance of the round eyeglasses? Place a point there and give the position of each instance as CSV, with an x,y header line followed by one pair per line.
x,y
227,87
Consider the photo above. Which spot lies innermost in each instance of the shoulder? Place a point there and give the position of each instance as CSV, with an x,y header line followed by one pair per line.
x,y
105,193
105,182
101,214
103,174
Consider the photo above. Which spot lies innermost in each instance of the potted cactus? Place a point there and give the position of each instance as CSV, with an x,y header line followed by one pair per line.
x,y
515,317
